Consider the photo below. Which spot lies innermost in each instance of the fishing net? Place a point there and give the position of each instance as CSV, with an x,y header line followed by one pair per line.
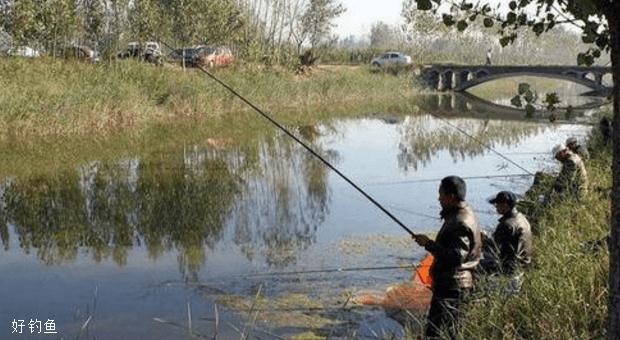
x,y
413,295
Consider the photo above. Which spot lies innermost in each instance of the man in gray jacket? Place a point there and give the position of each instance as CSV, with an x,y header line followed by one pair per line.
x,y
456,252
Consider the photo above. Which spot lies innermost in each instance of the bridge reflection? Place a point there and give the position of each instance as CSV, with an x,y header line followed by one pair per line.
x,y
459,103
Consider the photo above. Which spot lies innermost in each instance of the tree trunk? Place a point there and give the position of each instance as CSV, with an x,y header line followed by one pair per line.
x,y
614,239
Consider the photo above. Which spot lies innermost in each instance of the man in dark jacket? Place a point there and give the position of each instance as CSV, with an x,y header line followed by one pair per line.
x,y
456,250
511,244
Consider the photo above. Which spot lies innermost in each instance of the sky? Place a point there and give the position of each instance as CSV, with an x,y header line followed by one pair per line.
x,y
361,14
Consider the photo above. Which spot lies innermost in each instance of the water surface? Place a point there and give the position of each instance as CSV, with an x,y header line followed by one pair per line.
x,y
104,249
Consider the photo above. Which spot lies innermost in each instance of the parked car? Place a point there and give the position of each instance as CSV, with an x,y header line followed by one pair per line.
x,y
203,56
391,59
151,52
80,52
24,51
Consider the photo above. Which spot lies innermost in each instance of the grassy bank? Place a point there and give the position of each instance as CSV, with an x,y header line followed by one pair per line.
x,y
564,295
50,97
54,109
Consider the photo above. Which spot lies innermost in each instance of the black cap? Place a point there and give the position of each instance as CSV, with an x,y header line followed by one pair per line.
x,y
504,197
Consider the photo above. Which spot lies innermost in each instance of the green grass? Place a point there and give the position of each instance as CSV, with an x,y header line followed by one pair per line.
x,y
56,113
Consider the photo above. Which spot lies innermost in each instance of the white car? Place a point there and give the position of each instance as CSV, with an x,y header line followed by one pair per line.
x,y
391,58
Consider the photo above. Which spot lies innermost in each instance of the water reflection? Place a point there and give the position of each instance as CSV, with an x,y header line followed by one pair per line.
x,y
459,103
422,137
274,198
268,200
282,204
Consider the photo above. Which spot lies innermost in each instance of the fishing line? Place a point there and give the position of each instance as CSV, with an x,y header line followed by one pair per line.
x,y
436,180
332,270
480,142
309,149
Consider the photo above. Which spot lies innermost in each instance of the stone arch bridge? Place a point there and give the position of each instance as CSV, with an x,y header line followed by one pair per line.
x,y
451,77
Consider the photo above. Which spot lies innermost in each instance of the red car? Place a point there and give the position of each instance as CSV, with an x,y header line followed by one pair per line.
x,y
207,56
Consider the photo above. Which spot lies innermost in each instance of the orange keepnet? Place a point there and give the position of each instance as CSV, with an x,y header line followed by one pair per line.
x,y
412,295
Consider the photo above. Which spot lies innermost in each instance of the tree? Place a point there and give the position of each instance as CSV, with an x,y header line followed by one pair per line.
x,y
93,21
382,35
318,18
599,21
142,19
418,23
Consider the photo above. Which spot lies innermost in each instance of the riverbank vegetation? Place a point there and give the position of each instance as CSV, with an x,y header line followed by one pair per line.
x,y
565,291
64,105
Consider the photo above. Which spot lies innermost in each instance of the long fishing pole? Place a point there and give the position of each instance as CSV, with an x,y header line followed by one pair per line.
x,y
309,149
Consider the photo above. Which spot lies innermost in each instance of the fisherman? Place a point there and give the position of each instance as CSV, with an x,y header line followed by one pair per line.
x,y
456,250
511,245
573,145
573,178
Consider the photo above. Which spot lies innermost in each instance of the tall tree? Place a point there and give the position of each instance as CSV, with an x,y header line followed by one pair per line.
x,y
318,18
418,23
93,21
599,21
142,19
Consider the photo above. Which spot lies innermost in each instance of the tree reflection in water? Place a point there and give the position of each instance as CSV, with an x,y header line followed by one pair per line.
x,y
424,136
267,200
273,197
283,202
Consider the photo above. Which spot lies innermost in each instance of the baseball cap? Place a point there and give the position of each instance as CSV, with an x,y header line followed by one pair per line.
x,y
504,197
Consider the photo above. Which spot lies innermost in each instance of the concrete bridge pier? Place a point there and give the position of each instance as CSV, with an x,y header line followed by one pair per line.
x,y
430,79
461,78
446,81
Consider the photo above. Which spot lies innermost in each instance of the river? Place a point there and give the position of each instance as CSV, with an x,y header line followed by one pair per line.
x,y
138,247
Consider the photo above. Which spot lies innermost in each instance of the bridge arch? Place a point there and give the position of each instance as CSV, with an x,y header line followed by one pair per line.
x,y
461,77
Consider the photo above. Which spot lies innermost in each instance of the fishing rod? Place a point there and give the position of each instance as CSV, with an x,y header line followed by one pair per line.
x,y
309,149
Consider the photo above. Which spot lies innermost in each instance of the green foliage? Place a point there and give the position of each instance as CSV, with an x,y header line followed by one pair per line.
x,y
585,14
51,98
318,20
50,23
530,98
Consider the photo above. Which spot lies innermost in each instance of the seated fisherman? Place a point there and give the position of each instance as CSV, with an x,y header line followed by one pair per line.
x,y
573,178
573,145
511,245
